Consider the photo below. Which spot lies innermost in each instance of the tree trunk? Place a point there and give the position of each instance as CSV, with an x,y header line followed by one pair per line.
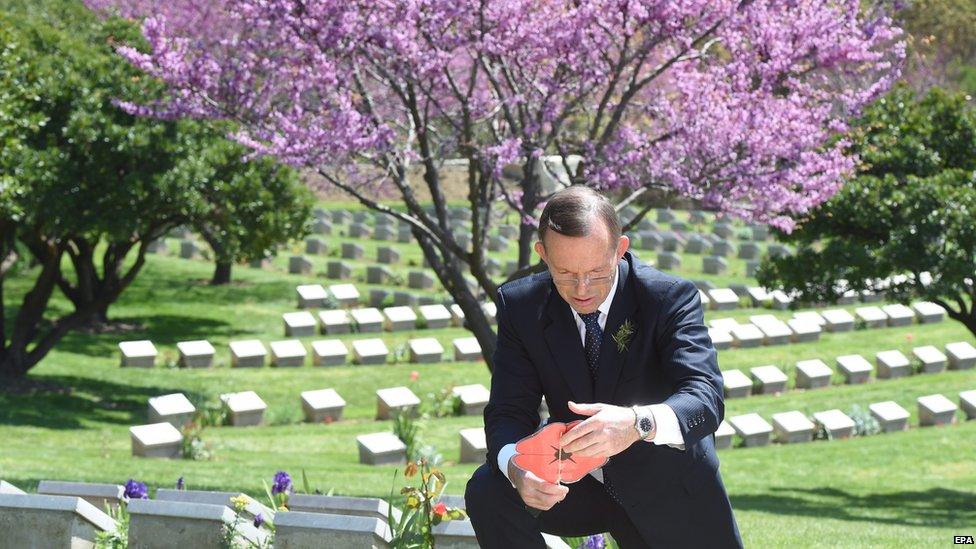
x,y
221,273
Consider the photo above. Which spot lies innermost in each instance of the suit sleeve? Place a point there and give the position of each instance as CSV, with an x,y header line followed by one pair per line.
x,y
691,363
513,406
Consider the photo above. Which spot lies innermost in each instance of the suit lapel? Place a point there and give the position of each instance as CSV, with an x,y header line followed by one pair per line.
x,y
623,308
562,337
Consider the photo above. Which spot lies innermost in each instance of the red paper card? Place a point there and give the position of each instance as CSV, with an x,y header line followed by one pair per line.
x,y
542,454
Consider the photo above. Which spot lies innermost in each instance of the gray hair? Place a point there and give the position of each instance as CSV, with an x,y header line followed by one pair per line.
x,y
572,211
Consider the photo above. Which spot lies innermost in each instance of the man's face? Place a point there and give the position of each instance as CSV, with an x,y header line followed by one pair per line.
x,y
592,256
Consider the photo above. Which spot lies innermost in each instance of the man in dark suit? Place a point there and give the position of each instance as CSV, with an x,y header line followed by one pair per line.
x,y
650,401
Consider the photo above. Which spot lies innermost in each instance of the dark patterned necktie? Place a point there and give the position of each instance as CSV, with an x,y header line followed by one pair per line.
x,y
594,338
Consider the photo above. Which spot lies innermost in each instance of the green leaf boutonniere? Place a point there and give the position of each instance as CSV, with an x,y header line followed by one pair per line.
x,y
623,335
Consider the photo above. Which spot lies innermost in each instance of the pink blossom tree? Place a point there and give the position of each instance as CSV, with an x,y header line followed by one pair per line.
x,y
739,104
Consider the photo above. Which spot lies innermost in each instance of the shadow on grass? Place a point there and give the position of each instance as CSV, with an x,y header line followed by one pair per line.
x,y
935,507
82,400
160,329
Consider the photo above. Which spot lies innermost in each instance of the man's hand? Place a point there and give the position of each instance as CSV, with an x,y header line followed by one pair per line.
x,y
535,492
608,431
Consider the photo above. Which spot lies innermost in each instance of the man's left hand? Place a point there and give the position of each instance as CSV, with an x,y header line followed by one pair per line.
x,y
608,431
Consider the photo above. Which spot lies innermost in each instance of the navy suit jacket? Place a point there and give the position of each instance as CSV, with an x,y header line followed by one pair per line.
x,y
674,497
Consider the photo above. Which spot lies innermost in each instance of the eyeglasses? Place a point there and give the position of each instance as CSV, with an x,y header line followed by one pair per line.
x,y
587,281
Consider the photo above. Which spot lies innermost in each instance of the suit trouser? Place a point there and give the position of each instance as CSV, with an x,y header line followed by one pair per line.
x,y
501,520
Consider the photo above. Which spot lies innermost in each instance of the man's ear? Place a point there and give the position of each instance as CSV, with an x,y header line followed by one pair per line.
x,y
541,250
622,246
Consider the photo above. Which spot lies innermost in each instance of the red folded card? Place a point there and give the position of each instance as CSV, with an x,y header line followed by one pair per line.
x,y
541,453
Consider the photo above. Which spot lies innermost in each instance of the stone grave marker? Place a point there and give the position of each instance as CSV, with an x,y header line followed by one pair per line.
x,y
754,430
769,379
368,320
381,449
335,321
369,351
156,440
174,408
736,383
137,354
400,318
247,353
931,358
425,350
837,423
299,264
961,355
892,364
329,352
245,408
196,354
855,368
299,324
935,410
346,294
473,446
288,353
792,427
435,317
890,416
98,494
311,296
322,405
812,374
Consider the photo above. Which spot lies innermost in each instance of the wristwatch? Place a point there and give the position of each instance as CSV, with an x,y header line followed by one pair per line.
x,y
643,421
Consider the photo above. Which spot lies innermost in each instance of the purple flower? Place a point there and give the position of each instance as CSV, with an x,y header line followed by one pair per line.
x,y
595,541
258,520
136,490
282,483
180,484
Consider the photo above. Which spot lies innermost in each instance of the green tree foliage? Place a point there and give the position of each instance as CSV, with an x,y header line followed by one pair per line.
x,y
909,211
85,187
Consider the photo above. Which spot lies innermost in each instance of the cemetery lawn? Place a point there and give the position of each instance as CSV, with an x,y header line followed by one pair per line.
x,y
909,489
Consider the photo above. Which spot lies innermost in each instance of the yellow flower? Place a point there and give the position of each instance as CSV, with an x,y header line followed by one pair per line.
x,y
240,502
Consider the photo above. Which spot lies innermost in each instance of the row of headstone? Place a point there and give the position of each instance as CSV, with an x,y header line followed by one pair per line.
x,y
815,373
794,426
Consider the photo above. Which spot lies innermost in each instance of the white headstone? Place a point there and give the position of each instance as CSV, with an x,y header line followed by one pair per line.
x,y
346,294
927,312
759,296
961,354
288,353
400,318
754,430
736,383
367,320
935,410
42,521
892,364
792,427
98,494
747,335
812,317
467,349
457,315
473,446
931,358
770,379
898,314
394,399
723,299
299,324
435,316
156,440
247,353
871,316
196,354
812,374
160,523
890,415
967,401
369,351
138,354
311,296
323,405
336,321
721,339
856,368
329,352
173,408
838,320
723,435
425,350
804,329
837,423
246,408
473,397
775,331
381,449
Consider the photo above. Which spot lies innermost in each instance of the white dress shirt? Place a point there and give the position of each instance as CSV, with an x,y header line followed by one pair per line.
x,y
666,421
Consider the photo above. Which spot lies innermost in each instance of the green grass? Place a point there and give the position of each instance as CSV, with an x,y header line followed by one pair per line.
x,y
903,489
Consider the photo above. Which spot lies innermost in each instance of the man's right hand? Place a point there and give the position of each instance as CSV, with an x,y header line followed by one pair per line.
x,y
535,492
